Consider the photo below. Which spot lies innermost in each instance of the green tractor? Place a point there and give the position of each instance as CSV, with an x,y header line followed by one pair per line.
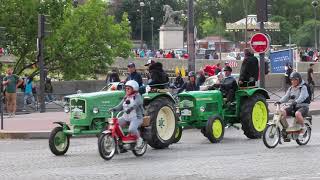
x,y
208,111
89,114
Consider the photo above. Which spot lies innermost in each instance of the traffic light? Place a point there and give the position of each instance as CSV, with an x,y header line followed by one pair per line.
x,y
269,9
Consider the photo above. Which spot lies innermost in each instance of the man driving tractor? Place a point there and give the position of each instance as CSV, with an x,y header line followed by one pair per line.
x,y
299,96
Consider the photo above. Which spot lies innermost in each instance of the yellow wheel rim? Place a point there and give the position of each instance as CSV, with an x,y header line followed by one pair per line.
x,y
217,128
259,116
177,132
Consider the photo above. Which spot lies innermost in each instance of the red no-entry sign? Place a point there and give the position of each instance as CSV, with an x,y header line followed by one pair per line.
x,y
259,43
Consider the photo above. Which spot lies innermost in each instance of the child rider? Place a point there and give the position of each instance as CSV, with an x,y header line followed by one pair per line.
x,y
132,105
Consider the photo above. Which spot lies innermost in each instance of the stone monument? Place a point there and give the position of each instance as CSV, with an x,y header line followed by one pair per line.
x,y
171,33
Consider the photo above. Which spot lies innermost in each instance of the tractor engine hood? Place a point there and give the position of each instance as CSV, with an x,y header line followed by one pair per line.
x,y
96,95
200,95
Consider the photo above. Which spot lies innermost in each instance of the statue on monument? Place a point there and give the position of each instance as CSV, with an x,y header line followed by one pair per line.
x,y
171,18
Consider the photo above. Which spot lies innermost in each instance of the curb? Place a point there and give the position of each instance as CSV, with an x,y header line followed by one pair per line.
x,y
32,135
45,134
24,134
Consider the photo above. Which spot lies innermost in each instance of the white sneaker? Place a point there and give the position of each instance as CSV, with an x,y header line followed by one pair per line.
x,y
139,142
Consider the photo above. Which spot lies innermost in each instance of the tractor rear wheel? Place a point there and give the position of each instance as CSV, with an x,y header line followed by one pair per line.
x,y
254,116
163,121
215,129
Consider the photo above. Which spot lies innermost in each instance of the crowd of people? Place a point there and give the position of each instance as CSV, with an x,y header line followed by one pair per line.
x,y
309,55
147,53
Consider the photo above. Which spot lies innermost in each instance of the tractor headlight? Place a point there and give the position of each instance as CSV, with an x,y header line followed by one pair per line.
x,y
66,109
95,110
202,108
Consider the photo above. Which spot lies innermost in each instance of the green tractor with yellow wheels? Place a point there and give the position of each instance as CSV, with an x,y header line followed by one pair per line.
x,y
209,111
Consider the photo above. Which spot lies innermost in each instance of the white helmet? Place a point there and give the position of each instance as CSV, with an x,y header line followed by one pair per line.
x,y
133,84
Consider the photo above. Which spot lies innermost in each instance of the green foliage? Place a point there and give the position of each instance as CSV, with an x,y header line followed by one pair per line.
x,y
88,41
19,17
83,40
286,28
305,34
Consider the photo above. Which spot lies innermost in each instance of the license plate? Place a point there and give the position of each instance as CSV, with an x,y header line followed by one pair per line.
x,y
186,112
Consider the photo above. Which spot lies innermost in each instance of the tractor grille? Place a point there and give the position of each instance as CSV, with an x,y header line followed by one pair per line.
x,y
78,104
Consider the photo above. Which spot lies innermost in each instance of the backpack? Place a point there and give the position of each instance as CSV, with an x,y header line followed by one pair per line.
x,y
308,100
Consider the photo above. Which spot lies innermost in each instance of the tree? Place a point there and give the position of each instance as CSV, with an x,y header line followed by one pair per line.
x,y
305,34
88,41
286,28
84,38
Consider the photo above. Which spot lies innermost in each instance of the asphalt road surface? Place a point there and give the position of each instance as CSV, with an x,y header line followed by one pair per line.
x,y
194,157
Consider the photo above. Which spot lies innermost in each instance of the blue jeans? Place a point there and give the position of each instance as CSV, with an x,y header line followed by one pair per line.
x,y
49,97
26,97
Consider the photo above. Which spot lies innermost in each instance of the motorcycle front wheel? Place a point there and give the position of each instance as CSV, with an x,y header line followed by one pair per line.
x,y
106,146
271,136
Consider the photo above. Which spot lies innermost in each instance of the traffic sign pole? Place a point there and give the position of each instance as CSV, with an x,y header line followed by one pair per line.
x,y
262,62
260,44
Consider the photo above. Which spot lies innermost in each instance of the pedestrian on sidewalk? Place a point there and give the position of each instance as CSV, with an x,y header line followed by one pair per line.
x,y
28,95
311,79
12,82
48,89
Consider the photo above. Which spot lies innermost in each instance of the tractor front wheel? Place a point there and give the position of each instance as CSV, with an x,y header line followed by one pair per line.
x,y
215,129
254,116
178,134
163,121
58,141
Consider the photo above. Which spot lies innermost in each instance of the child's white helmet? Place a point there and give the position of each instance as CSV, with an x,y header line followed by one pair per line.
x,y
133,84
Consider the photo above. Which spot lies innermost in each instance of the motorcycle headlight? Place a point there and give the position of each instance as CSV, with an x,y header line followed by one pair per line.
x,y
202,108
95,110
66,109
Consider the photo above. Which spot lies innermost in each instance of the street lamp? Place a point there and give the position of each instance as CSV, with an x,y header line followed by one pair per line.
x,y
152,20
141,25
219,13
315,5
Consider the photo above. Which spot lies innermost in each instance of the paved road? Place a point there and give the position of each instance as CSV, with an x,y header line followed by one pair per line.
x,y
192,158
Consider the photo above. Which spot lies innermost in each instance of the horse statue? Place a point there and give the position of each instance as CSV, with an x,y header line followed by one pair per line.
x,y
171,17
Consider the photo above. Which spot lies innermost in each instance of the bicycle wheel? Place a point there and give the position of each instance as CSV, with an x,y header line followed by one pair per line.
x,y
271,136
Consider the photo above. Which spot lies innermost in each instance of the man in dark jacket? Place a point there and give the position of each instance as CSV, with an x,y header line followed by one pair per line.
x,y
249,71
157,74
133,74
228,85
191,84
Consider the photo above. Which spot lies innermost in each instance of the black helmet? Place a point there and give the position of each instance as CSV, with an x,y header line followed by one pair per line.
x,y
296,75
191,74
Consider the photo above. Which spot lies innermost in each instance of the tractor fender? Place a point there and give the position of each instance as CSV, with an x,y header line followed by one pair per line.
x,y
60,123
151,96
106,131
251,92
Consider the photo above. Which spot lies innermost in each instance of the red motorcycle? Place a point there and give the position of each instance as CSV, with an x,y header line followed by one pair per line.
x,y
113,140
